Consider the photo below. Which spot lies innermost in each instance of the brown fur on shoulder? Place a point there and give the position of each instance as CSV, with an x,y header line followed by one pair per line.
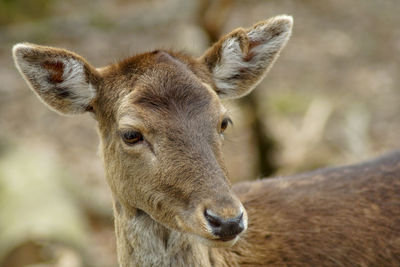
x,y
342,216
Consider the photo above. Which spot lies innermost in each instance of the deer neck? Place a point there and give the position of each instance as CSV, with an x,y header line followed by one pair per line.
x,y
141,241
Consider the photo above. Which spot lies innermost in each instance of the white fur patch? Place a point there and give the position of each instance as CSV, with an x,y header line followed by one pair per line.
x,y
75,80
231,61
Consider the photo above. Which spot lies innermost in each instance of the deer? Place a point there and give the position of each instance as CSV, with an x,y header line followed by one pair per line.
x,y
161,124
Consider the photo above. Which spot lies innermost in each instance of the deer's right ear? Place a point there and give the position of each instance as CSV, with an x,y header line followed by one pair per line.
x,y
61,79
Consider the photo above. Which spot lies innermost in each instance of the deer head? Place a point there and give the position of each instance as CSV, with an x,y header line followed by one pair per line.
x,y
161,122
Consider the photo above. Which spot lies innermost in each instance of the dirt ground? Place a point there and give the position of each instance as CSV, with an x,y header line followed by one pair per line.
x,y
332,98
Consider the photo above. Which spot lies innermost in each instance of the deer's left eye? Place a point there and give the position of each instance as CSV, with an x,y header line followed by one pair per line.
x,y
224,124
132,137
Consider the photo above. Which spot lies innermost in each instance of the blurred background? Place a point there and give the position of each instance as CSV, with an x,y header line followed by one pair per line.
x,y
332,98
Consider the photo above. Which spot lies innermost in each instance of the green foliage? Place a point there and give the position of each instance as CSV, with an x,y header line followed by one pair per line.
x,y
101,22
12,11
290,103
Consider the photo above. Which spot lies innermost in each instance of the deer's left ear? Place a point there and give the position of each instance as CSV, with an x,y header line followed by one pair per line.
x,y
60,78
240,60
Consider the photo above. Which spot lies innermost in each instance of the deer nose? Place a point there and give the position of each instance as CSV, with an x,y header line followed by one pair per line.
x,y
225,229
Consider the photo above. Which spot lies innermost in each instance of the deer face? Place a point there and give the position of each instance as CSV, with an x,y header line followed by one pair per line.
x,y
161,123
164,146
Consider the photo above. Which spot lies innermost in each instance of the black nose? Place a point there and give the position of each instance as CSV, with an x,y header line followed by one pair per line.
x,y
225,229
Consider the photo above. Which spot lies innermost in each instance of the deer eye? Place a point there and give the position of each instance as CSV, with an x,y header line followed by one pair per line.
x,y
224,124
132,137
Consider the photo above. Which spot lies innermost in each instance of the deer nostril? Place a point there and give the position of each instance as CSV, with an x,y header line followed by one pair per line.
x,y
225,229
213,220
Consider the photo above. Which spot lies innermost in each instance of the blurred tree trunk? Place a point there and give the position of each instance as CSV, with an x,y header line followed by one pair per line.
x,y
212,17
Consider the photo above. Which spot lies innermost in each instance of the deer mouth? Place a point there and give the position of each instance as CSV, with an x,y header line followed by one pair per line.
x,y
226,238
219,242
214,224
204,234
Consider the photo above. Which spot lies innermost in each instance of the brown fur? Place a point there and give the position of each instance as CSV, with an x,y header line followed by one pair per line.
x,y
346,216
163,185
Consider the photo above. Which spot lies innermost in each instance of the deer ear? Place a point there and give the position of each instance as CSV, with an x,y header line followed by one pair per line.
x,y
240,60
61,79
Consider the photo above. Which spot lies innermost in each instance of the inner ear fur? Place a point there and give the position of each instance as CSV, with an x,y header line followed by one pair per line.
x,y
63,80
241,59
